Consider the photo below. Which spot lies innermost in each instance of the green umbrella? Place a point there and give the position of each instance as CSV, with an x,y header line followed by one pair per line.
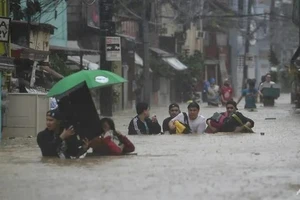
x,y
93,79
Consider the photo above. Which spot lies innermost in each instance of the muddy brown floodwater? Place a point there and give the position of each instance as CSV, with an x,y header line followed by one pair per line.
x,y
221,166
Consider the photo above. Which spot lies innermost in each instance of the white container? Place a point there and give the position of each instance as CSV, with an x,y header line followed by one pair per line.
x,y
26,114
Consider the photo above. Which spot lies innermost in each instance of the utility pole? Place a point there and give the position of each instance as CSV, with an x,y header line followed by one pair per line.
x,y
272,12
201,26
271,22
146,17
107,28
247,44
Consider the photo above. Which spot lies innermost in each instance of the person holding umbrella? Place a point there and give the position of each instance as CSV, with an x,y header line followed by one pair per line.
x,y
56,141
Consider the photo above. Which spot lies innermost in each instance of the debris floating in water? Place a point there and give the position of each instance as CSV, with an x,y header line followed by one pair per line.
x,y
270,118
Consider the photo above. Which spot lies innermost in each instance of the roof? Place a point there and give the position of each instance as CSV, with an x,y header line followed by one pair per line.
x,y
6,63
175,63
48,27
74,51
161,52
28,53
169,59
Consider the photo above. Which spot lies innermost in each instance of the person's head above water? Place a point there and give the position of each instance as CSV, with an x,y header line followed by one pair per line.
x,y
174,109
268,77
226,82
231,106
212,81
53,118
142,109
251,84
193,110
107,124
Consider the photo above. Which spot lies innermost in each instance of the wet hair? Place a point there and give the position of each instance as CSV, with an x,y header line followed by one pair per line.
x,y
109,121
55,114
194,105
173,105
231,102
251,84
141,107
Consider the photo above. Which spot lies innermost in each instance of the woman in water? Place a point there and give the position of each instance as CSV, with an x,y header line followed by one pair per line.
x,y
110,141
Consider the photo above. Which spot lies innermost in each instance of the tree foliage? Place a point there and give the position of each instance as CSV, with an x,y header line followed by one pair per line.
x,y
160,68
273,58
195,64
58,64
32,8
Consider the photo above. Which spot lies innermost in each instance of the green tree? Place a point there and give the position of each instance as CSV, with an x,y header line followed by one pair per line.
x,y
273,58
195,64
58,64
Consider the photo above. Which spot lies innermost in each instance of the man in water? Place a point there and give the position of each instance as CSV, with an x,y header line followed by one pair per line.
x,y
234,121
56,141
174,110
142,124
195,121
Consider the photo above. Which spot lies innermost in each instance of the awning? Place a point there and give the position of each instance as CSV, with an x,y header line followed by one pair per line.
x,y
28,53
161,52
138,60
33,25
52,72
86,63
129,38
175,63
170,59
6,63
73,51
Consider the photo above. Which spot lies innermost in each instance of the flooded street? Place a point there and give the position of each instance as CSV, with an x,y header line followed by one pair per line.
x,y
220,166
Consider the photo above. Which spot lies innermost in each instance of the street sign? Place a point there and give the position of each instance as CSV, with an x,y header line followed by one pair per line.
x,y
4,29
249,59
113,49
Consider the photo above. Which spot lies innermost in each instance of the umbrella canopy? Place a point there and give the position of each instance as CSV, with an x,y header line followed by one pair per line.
x,y
93,79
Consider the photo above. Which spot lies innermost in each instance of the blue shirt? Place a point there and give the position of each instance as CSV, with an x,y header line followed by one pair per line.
x,y
250,97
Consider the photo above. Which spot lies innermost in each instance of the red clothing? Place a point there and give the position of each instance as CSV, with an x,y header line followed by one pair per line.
x,y
226,92
216,124
105,146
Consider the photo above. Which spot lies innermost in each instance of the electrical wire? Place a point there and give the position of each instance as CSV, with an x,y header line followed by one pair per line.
x,y
89,4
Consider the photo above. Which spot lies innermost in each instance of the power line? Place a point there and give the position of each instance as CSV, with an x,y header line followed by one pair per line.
x,y
89,4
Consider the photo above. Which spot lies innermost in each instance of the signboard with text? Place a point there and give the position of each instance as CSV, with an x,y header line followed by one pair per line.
x,y
113,49
4,29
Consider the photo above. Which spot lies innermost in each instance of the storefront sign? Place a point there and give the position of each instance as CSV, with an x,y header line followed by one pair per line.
x,y
4,29
113,49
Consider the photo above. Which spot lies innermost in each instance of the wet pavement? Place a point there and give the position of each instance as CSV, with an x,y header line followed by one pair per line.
x,y
220,166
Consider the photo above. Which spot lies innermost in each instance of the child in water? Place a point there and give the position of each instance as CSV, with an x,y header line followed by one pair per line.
x,y
250,94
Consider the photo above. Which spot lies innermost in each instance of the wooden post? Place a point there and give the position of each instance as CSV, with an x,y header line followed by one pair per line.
x,y
81,61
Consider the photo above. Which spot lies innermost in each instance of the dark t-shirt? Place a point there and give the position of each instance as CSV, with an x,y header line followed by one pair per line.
x,y
166,125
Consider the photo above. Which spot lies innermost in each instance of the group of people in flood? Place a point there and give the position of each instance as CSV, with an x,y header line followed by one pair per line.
x,y
56,141
215,95
65,143
191,122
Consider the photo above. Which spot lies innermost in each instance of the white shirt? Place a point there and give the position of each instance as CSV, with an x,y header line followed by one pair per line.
x,y
197,125
266,85
53,103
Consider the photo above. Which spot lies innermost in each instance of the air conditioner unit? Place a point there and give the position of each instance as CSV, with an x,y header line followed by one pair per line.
x,y
179,28
201,34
